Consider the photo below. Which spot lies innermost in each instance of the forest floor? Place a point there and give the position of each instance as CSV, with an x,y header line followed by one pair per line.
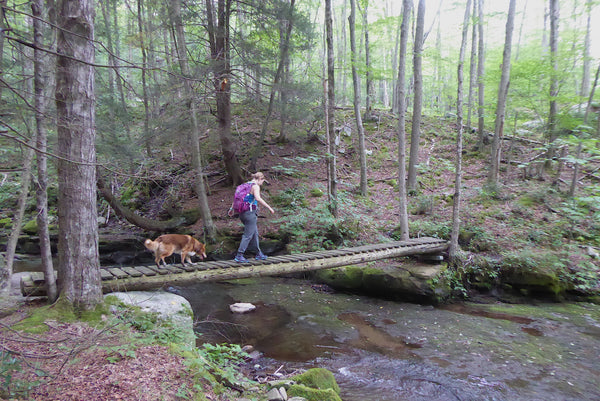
x,y
76,362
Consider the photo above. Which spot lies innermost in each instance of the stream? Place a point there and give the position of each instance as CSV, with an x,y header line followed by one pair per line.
x,y
381,350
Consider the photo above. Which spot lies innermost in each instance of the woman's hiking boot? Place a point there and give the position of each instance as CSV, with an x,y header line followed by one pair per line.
x,y
261,256
240,258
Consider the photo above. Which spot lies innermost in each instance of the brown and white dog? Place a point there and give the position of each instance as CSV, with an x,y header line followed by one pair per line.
x,y
168,244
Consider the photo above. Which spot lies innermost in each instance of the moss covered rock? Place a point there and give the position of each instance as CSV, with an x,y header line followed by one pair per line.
x,y
312,394
412,282
30,227
318,378
6,223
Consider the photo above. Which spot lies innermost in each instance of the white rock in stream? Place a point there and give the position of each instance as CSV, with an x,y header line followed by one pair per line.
x,y
241,307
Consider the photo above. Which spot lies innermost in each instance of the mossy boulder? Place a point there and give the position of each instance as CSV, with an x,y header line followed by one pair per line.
x,y
535,273
316,384
6,223
318,378
541,281
346,278
31,227
312,394
410,282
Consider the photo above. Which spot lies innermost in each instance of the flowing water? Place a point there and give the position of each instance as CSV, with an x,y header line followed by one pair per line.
x,y
382,350
390,351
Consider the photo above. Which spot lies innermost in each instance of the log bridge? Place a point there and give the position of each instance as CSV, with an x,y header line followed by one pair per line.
x,y
136,278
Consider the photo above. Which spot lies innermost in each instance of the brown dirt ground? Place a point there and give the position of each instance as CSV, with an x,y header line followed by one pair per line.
x,y
73,361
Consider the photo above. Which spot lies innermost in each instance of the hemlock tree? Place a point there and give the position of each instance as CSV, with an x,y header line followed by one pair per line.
x,y
78,260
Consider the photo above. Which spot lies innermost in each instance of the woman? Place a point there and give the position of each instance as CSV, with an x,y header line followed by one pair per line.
x,y
249,219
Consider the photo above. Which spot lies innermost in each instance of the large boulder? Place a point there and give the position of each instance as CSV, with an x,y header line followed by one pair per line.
x,y
406,282
168,307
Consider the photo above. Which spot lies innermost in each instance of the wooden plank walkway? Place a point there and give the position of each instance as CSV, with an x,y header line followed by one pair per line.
x,y
134,278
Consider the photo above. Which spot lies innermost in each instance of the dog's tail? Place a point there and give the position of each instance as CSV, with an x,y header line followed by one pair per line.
x,y
151,245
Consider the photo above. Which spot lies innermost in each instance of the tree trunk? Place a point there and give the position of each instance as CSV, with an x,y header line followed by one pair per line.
x,y
574,180
43,82
17,221
585,81
218,33
146,133
480,78
472,68
78,260
113,61
502,96
332,157
554,79
357,115
7,270
210,231
2,36
369,73
404,33
453,248
284,89
276,86
415,136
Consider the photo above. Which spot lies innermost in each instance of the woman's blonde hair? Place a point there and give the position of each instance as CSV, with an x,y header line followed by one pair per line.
x,y
258,176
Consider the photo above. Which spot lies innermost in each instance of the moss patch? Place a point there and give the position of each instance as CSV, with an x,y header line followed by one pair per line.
x,y
61,311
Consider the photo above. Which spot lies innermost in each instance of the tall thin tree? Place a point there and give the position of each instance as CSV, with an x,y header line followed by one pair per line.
x,y
283,57
357,96
218,35
502,98
210,230
332,140
472,67
480,78
43,83
415,135
459,138
554,78
401,131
